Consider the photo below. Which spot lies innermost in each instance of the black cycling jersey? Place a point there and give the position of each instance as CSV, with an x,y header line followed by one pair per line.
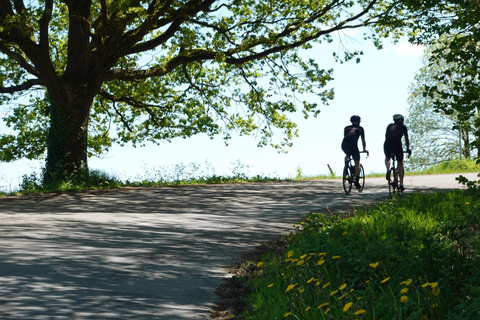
x,y
351,134
393,140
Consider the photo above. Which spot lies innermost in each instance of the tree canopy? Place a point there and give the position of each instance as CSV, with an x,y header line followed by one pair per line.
x,y
453,28
441,136
98,72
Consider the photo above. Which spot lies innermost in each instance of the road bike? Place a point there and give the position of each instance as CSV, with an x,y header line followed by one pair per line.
x,y
349,176
394,185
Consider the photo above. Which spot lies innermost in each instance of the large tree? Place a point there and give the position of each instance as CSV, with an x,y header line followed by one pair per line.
x,y
155,70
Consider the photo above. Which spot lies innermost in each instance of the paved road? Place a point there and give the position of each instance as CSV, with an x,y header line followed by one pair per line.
x,y
150,253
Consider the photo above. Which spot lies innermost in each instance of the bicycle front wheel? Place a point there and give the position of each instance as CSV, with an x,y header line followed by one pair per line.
x,y
361,179
347,180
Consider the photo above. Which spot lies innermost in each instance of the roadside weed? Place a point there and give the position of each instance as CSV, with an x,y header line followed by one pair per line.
x,y
410,258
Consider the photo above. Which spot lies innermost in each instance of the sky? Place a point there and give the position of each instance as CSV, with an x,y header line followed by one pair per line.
x,y
376,88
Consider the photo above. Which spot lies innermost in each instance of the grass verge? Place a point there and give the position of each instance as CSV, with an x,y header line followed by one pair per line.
x,y
409,258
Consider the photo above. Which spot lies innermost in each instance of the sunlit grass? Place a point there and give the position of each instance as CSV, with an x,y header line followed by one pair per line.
x,y
411,258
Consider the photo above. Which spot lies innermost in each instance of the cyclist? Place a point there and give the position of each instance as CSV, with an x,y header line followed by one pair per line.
x,y
393,144
351,134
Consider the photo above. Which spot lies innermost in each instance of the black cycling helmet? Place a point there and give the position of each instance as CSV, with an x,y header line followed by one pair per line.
x,y
354,118
397,117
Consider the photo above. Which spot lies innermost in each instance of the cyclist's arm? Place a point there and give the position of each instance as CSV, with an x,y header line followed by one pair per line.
x,y
407,142
364,144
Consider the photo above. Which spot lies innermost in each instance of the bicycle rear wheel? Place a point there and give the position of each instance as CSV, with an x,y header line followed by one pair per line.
x,y
347,180
361,179
393,187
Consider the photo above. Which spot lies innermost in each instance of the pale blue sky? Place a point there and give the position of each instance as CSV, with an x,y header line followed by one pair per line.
x,y
375,89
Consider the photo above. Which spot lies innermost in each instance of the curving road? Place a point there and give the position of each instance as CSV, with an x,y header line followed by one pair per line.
x,y
151,253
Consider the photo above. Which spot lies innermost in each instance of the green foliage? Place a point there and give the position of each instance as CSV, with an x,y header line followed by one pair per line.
x,y
440,136
137,71
408,258
453,27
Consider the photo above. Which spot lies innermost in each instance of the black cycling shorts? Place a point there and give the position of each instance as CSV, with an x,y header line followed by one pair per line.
x,y
351,149
395,148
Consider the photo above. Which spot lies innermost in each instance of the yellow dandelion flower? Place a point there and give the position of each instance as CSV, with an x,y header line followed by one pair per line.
x,y
343,286
359,298
335,257
270,285
304,256
359,312
290,287
385,280
347,306
288,314
467,203
318,283
323,254
326,311
426,285
373,265
312,254
307,309
434,284
351,290
404,291
320,262
345,233
311,280
323,305
406,283
367,281
300,263
290,254
404,299
294,260
260,264
326,285
333,293
342,296
436,291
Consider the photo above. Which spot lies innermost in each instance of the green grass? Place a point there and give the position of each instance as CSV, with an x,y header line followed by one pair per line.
x,y
409,258
181,174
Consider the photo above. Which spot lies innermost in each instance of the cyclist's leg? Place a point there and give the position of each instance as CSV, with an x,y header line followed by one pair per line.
x,y
401,170
347,153
387,151
356,158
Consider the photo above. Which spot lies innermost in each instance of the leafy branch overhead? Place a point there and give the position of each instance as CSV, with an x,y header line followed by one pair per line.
x,y
136,71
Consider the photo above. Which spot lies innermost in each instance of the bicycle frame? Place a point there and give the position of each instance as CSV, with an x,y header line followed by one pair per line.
x,y
394,185
349,177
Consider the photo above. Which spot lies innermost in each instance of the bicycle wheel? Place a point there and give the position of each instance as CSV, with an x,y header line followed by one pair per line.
x,y
391,183
347,181
393,188
361,179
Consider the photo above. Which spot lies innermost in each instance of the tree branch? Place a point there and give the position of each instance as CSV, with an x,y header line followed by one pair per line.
x,y
24,86
21,61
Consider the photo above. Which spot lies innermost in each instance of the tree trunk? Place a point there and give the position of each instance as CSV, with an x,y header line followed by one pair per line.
x,y
67,138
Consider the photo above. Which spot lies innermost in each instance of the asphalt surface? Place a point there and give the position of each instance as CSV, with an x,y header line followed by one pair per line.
x,y
152,253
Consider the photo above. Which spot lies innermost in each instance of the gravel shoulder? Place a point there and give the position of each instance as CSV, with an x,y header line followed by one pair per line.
x,y
152,253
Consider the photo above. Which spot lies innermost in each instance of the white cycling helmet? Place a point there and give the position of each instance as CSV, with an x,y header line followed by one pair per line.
x,y
397,117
